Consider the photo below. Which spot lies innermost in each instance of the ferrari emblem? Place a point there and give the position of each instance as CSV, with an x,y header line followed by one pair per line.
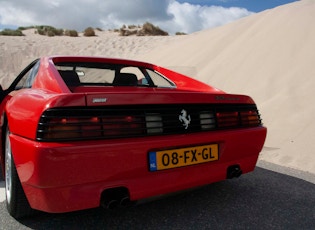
x,y
184,118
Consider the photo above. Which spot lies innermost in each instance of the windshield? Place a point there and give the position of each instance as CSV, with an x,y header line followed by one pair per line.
x,y
75,74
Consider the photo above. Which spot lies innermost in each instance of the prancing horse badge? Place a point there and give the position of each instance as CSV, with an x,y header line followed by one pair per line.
x,y
184,118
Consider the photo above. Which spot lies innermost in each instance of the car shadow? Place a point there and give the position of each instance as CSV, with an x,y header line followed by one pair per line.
x,y
262,199
2,185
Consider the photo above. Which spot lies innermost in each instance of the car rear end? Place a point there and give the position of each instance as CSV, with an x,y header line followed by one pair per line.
x,y
95,138
109,152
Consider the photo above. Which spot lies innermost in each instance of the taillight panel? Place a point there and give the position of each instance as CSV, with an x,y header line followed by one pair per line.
x,y
64,124
67,128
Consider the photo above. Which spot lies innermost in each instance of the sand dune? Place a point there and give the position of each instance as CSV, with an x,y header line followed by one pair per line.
x,y
269,56
17,52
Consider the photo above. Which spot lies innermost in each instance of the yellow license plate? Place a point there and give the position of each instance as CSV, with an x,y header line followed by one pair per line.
x,y
174,158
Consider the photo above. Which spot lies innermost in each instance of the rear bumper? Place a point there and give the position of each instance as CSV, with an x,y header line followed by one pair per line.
x,y
63,177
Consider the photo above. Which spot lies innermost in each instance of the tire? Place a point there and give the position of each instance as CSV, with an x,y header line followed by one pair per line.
x,y
16,201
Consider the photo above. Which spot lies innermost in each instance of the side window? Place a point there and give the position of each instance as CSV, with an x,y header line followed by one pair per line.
x,y
30,78
27,80
133,70
22,81
159,80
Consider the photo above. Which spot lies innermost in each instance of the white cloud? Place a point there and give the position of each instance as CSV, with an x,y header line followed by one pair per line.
x,y
190,18
169,15
10,15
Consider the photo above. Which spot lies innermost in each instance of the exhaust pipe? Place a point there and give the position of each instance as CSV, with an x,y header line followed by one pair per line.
x,y
234,171
114,198
125,201
111,204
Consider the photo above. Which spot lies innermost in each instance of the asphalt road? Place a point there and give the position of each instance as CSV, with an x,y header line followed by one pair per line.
x,y
263,199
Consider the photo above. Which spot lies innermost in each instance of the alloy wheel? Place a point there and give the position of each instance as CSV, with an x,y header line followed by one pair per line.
x,y
8,169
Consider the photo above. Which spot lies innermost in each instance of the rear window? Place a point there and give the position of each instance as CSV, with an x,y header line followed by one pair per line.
x,y
75,74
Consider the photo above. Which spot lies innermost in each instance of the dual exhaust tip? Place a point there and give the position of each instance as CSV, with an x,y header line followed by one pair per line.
x,y
115,198
114,204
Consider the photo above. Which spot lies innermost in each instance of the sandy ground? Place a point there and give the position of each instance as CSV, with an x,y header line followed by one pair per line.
x,y
269,56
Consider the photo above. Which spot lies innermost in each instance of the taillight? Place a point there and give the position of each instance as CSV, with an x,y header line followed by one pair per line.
x,y
247,118
78,123
227,119
63,128
66,128
250,118
122,125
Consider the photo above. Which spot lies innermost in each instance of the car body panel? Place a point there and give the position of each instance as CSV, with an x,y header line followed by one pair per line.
x,y
62,176
26,119
49,175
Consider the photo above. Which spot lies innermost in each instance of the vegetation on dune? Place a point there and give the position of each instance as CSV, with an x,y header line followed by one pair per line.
x,y
71,33
150,29
49,31
10,32
127,31
45,30
147,29
26,27
89,32
180,33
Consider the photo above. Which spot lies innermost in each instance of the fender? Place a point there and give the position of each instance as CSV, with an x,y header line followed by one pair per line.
x,y
24,109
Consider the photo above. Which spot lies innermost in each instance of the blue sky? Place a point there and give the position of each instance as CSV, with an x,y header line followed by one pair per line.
x,y
251,5
171,15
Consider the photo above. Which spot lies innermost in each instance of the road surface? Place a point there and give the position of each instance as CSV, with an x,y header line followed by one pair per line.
x,y
263,199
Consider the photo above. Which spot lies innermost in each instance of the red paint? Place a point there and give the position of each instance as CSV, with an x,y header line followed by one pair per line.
x,y
69,176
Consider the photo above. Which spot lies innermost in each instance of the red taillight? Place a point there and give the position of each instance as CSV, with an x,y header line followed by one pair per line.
x,y
116,126
93,127
250,118
227,119
70,124
62,128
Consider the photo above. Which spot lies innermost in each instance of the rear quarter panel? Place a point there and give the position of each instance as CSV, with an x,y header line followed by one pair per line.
x,y
25,107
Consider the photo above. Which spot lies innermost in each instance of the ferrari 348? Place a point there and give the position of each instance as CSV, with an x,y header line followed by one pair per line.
x,y
84,132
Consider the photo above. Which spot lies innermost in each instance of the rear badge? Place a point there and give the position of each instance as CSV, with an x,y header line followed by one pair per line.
x,y
184,118
99,100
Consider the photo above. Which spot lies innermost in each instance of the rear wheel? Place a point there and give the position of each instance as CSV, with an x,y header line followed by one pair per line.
x,y
16,200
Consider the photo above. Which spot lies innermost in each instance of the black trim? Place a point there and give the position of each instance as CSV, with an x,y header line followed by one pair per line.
x,y
166,121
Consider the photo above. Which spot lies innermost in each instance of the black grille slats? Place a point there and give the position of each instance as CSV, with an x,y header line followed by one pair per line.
x,y
84,123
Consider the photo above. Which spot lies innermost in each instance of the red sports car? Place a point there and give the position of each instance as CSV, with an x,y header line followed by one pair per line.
x,y
84,132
